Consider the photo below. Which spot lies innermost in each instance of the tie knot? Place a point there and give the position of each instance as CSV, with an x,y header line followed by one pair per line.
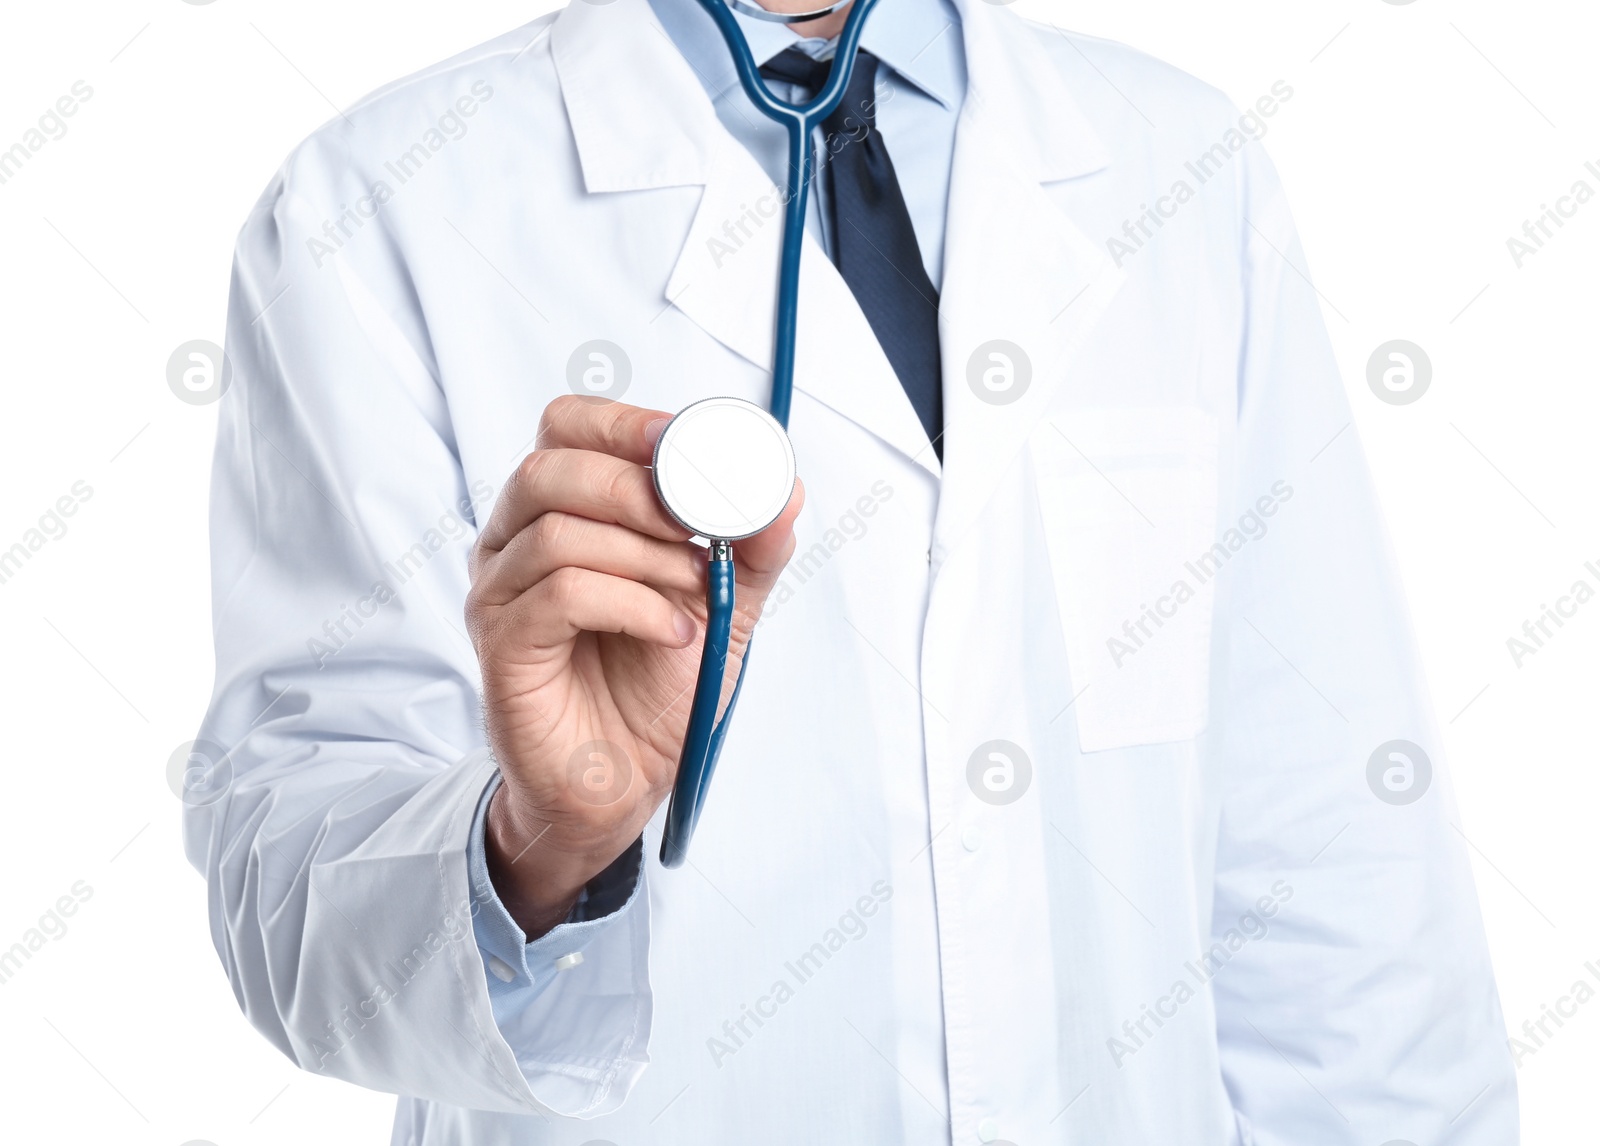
x,y
795,67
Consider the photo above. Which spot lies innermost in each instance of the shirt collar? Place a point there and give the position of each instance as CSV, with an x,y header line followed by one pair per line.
x,y
919,40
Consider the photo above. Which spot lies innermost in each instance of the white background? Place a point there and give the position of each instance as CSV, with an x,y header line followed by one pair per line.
x,y
1419,139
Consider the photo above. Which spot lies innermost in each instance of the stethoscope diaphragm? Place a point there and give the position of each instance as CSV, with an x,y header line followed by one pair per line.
x,y
724,469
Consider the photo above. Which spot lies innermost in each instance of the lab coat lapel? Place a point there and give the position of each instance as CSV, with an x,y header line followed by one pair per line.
x,y
726,282
641,120
1024,286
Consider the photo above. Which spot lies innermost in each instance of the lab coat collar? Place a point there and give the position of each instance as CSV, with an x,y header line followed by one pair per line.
x,y
641,118
1029,103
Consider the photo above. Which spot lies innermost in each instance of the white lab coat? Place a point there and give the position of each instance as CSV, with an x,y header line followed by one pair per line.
x,y
1159,572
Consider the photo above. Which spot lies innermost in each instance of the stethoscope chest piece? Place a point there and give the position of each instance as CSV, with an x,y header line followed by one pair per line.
x,y
724,469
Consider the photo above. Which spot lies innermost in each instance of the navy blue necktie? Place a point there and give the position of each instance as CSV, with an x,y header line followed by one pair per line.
x,y
874,245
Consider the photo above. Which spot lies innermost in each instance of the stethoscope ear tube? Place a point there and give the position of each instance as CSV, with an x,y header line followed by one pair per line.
x,y
702,740
799,120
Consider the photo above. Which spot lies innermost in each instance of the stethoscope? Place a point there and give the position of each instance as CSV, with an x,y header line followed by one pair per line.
x,y
724,468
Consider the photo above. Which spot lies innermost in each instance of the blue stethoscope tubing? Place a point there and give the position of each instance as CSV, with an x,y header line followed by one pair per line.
x,y
702,742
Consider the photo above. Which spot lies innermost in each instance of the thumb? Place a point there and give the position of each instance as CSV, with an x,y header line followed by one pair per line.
x,y
761,558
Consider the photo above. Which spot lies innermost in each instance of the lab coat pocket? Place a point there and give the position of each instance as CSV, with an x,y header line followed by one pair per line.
x,y
1129,502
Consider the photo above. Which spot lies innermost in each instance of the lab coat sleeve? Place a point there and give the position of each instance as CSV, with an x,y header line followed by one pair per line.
x,y
346,758
1367,1010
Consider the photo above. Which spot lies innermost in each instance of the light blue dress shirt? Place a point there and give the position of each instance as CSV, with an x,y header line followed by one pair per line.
x,y
921,83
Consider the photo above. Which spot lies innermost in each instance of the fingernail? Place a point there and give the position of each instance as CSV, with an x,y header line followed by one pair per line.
x,y
652,431
683,625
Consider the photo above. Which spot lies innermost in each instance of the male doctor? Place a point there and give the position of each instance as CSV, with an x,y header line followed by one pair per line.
x,y
1083,787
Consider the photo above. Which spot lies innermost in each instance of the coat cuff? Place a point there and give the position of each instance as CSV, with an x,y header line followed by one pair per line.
x,y
576,999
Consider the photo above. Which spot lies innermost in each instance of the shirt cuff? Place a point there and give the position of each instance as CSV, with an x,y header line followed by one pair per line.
x,y
516,967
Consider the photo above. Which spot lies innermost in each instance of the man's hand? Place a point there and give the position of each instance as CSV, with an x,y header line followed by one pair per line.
x,y
587,610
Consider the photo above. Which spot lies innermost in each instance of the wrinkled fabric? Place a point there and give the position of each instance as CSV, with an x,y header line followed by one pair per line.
x,y
1048,813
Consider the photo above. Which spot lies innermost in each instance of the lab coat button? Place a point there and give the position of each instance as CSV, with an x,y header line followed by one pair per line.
x,y
988,1130
502,970
972,840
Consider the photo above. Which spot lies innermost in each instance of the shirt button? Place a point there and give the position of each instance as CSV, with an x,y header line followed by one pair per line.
x,y
501,969
972,840
988,1130
568,962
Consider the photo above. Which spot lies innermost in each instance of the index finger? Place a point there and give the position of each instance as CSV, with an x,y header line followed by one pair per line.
x,y
573,422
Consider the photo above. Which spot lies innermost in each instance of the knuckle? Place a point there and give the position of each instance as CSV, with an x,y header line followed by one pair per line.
x,y
552,531
558,411
482,624
529,469
483,601
473,623
614,485
565,587
615,417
